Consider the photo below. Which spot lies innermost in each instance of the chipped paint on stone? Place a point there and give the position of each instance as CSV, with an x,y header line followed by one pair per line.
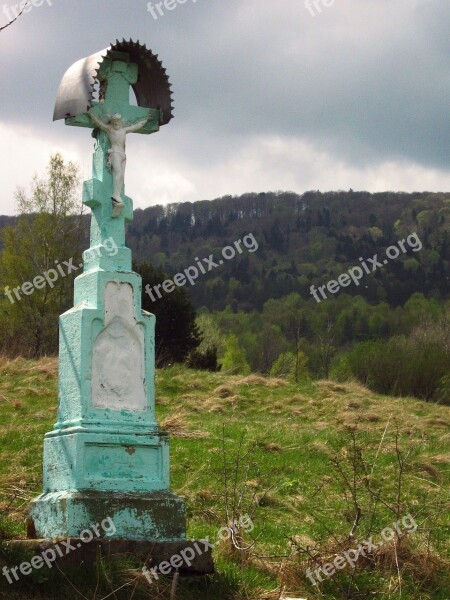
x,y
157,515
106,456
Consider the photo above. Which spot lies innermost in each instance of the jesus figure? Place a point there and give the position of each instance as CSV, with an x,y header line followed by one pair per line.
x,y
116,131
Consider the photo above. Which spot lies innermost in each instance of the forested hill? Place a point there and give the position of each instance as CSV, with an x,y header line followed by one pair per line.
x,y
303,240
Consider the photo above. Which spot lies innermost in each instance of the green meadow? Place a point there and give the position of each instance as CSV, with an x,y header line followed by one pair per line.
x,y
318,467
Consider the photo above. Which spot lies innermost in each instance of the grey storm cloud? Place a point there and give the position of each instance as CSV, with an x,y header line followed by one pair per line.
x,y
365,80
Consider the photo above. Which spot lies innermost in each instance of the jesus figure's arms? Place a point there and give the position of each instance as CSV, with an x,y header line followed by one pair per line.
x,y
137,126
100,124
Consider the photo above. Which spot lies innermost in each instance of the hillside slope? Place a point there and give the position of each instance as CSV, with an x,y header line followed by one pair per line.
x,y
303,239
297,458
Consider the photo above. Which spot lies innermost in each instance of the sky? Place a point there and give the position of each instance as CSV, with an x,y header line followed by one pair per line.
x,y
269,94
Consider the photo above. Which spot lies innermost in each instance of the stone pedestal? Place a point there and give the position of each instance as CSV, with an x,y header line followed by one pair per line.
x,y
106,458
156,516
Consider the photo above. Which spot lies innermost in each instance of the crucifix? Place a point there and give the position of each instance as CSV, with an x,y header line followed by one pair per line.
x,y
112,117
106,455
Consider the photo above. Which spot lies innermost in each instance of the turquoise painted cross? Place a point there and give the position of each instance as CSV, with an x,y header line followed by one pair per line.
x,y
106,455
112,117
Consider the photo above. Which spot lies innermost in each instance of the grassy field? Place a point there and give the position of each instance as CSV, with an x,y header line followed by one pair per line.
x,y
319,467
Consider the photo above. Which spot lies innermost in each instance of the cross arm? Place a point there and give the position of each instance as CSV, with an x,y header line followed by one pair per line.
x,y
139,124
82,120
98,122
87,119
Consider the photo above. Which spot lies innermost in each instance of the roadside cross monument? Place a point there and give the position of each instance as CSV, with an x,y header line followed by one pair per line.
x,y
106,456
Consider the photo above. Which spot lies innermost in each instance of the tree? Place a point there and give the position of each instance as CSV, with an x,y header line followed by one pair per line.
x,y
291,366
210,333
176,332
204,360
234,361
284,366
16,15
205,356
37,250
417,365
270,343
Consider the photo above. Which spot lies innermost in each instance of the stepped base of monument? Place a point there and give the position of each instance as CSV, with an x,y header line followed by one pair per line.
x,y
186,557
158,515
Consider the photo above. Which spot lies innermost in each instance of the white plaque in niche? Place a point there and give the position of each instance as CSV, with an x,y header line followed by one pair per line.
x,y
118,367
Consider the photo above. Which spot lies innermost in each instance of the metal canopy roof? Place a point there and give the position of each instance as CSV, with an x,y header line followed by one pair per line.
x,y
152,90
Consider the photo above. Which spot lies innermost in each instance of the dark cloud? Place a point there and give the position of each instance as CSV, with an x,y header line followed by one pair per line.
x,y
367,82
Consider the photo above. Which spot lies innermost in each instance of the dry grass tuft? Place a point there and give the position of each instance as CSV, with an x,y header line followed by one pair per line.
x,y
269,382
47,366
162,400
10,366
176,425
441,459
216,409
40,415
352,419
332,387
298,412
321,447
267,499
427,468
218,403
426,566
302,541
320,425
253,484
252,380
354,405
196,384
391,558
347,417
29,391
439,423
370,417
276,383
270,446
205,495
271,594
298,398
223,391
338,391
210,516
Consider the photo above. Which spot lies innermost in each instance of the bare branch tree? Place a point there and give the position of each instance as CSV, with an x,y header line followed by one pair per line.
x,y
16,17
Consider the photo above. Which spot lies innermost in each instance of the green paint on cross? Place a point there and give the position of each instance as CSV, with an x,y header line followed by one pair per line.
x,y
106,455
116,75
